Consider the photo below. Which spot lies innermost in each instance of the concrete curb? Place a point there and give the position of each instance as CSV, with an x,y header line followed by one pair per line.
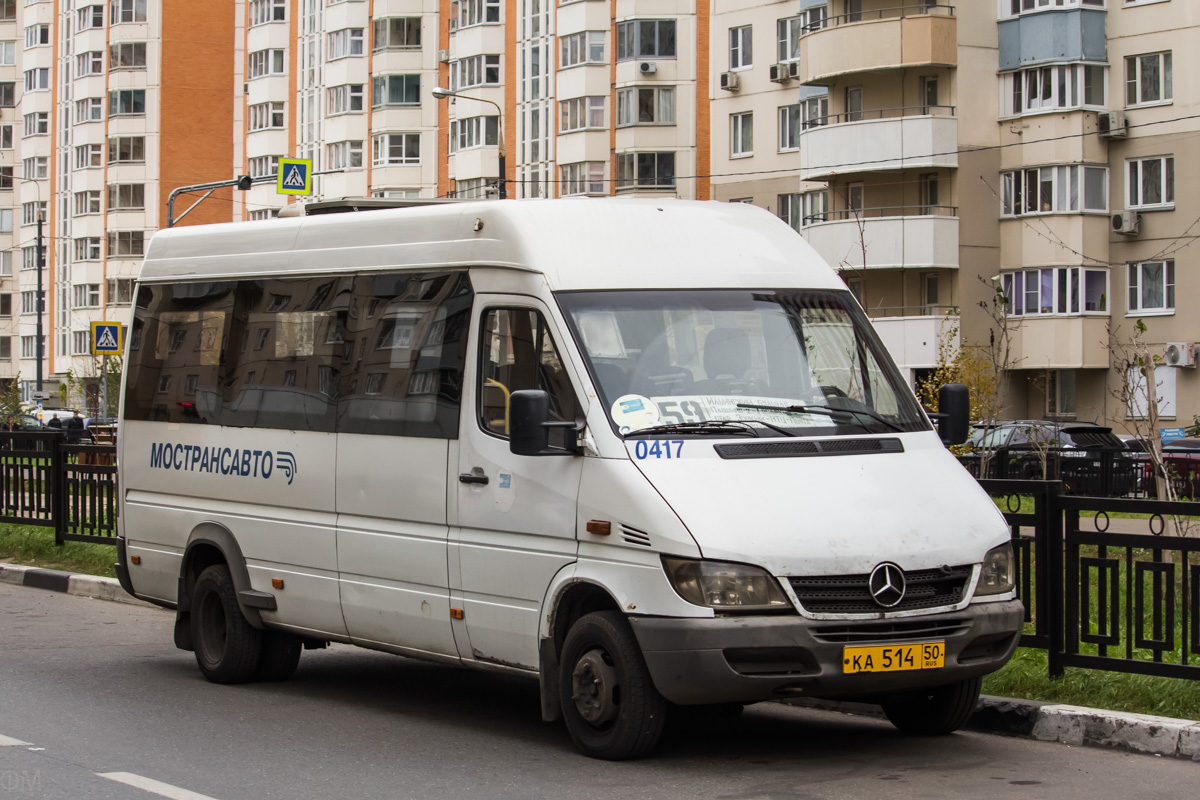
x,y
1044,722
58,581
1070,725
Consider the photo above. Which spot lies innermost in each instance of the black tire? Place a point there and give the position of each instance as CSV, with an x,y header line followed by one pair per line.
x,y
280,655
621,714
227,646
936,711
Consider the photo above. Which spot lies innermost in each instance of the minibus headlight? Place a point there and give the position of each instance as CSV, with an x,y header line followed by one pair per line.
x,y
724,585
998,573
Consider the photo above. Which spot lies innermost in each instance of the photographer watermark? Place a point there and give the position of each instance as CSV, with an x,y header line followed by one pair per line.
x,y
21,781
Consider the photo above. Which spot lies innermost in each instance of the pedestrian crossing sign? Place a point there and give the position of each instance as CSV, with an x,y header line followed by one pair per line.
x,y
295,176
106,339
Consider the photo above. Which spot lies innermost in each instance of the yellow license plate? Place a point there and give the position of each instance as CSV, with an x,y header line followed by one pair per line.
x,y
894,657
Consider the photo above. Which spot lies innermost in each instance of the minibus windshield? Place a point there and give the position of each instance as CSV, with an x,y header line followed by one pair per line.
x,y
738,362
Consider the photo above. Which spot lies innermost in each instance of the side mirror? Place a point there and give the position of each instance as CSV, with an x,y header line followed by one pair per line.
x,y
529,425
954,417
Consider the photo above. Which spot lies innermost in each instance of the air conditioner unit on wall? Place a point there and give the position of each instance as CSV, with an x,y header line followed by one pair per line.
x,y
443,56
1126,222
647,67
1112,125
1180,354
729,81
782,73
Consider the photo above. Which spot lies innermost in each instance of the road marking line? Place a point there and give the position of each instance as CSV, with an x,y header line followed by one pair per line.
x,y
7,742
153,786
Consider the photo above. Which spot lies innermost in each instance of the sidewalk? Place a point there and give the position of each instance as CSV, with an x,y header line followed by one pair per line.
x,y
1045,722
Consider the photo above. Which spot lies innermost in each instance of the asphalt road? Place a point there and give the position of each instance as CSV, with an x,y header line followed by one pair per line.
x,y
95,701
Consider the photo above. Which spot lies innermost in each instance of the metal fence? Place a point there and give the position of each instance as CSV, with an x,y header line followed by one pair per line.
x,y
1101,591
1095,473
70,487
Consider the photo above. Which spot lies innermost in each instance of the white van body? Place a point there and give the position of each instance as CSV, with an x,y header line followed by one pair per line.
x,y
257,438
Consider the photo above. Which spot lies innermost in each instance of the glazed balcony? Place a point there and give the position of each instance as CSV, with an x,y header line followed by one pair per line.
x,y
906,137
917,35
893,237
1061,342
911,333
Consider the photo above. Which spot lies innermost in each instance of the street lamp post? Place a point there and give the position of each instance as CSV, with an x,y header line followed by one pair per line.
x,y
441,93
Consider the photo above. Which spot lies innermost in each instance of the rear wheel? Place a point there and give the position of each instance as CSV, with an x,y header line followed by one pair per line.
x,y
227,646
935,711
609,702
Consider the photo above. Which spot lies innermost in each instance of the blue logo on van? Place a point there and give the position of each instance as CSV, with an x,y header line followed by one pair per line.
x,y
244,463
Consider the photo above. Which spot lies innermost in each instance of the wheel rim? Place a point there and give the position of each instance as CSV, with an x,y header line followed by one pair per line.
x,y
594,688
212,627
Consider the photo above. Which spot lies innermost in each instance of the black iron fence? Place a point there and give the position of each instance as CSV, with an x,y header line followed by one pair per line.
x,y
70,487
1109,584
1095,473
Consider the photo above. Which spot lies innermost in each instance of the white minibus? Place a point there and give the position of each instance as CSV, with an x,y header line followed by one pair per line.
x,y
648,452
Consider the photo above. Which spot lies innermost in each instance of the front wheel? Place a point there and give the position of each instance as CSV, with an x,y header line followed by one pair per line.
x,y
227,646
609,702
935,711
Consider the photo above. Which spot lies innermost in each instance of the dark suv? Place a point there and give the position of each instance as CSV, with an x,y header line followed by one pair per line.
x,y
1088,458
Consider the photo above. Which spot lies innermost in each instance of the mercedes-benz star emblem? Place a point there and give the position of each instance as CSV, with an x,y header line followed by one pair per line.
x,y
886,585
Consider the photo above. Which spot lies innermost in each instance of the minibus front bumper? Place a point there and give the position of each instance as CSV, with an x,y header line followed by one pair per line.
x,y
747,659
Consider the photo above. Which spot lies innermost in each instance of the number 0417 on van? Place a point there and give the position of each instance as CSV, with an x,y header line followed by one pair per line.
x,y
649,453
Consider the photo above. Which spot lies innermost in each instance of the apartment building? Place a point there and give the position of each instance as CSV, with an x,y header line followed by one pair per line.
x,y
100,117
1030,146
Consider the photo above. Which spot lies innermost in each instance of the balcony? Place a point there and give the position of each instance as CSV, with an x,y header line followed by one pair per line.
x,y
1061,342
911,333
881,139
894,237
890,38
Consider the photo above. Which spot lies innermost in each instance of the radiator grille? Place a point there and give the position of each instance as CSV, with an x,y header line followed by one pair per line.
x,y
850,594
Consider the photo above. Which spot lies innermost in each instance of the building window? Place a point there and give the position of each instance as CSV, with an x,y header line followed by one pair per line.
x,y
29,259
8,94
814,206
741,53
266,62
127,55
263,166
472,132
586,177
260,214
646,38
36,168
89,156
646,105
1151,182
29,348
6,177
396,148
127,11
344,43
86,295
1029,6
80,342
8,10
6,220
29,214
89,17
1148,79
397,33
89,109
127,103
788,210
29,302
1152,286
87,202
8,54
37,36
581,113
814,111
585,47
789,128
741,134
395,90
89,63
1040,89
344,155
127,150
126,196
37,123
264,116
1055,290
475,71
788,32
37,80
344,99
477,12
264,11
87,249
1060,393
645,171
126,244
1048,190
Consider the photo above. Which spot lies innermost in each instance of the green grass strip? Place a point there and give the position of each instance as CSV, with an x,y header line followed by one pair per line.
x,y
34,546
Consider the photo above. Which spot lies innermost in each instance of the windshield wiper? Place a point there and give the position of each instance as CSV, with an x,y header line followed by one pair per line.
x,y
705,427
828,411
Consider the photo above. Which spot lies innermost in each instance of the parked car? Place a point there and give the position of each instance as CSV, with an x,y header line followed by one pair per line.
x,y
28,422
1088,458
1027,434
1182,460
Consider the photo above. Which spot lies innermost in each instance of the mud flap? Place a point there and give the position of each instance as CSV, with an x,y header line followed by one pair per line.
x,y
548,677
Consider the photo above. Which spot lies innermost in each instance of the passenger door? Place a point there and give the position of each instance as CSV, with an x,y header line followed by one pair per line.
x,y
516,515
